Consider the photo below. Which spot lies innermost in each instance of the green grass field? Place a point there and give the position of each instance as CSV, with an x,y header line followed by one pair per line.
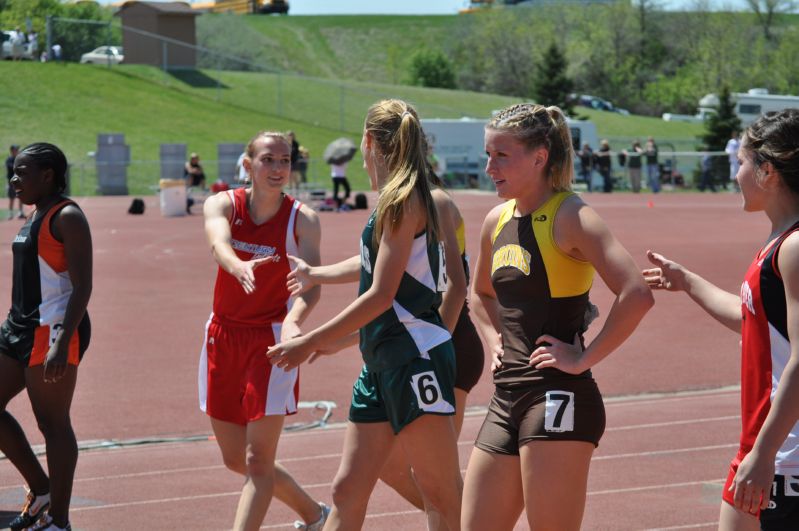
x,y
69,104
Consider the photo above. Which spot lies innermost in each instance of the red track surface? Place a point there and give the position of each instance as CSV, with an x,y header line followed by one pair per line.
x,y
659,464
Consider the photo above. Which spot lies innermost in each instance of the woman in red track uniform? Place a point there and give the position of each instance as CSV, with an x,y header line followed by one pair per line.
x,y
251,231
762,488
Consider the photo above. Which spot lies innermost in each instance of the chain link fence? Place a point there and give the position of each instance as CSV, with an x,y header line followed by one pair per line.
x,y
325,103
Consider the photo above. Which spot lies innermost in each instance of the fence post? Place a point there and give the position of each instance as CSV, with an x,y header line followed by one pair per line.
x,y
279,94
341,107
49,30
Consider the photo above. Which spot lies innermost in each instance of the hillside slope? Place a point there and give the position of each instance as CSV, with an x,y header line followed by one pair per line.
x,y
69,104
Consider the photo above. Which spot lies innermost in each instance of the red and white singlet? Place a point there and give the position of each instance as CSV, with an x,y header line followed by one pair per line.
x,y
765,351
276,237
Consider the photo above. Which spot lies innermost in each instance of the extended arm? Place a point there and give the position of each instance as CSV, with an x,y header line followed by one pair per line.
x,y
305,276
723,306
217,211
395,248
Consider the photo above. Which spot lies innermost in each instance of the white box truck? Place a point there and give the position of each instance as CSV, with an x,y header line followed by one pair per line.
x,y
459,146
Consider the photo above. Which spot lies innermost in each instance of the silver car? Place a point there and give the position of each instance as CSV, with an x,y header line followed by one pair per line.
x,y
103,55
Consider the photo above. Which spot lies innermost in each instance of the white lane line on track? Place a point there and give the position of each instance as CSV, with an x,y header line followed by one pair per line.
x,y
338,456
673,423
368,516
656,487
714,525
680,396
154,501
373,515
665,452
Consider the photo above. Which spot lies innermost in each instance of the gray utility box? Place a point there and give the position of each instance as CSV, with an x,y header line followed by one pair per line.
x,y
227,157
173,160
112,159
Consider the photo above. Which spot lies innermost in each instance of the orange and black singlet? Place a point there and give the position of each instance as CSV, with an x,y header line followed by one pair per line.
x,y
41,289
540,290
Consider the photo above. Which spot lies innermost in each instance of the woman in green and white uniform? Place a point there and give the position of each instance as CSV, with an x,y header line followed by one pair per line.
x,y
405,393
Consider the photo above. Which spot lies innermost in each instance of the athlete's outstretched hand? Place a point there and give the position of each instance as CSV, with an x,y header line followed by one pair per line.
x,y
752,483
667,275
496,354
562,356
290,354
299,279
244,272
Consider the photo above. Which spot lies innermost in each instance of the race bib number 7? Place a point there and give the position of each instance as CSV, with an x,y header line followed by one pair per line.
x,y
559,415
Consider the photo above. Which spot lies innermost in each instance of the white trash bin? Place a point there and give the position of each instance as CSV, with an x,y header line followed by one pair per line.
x,y
173,197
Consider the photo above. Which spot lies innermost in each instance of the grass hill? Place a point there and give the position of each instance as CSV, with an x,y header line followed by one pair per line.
x,y
367,47
69,104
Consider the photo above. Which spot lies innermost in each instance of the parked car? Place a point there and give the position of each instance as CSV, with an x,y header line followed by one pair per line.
x,y
268,7
595,102
103,55
15,46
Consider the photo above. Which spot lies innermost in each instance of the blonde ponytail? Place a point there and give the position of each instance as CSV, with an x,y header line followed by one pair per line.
x,y
398,134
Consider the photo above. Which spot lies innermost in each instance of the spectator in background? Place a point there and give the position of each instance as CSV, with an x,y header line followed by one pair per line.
x,y
193,172
18,45
604,165
586,155
338,172
33,44
194,176
707,173
652,168
13,150
634,164
56,48
302,163
242,176
295,178
733,145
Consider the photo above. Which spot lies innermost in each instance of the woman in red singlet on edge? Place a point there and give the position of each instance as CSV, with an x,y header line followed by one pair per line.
x,y
251,231
762,488
46,333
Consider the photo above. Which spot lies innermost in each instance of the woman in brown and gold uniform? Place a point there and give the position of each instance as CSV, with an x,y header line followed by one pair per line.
x,y
538,254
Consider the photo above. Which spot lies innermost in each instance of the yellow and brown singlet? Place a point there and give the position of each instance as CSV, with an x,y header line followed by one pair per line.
x,y
540,289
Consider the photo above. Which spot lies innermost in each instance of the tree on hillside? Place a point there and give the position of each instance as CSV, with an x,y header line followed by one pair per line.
x,y
431,68
76,39
551,86
766,10
16,13
719,126
495,51
718,129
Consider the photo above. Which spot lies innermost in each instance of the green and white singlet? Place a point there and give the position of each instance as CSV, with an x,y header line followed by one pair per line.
x,y
412,326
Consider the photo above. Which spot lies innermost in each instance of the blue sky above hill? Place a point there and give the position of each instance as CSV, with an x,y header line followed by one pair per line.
x,y
422,7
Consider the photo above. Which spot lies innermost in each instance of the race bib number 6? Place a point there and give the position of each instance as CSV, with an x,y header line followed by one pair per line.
x,y
428,393
559,415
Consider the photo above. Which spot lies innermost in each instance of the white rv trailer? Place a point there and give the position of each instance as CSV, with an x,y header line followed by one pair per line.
x,y
459,146
751,104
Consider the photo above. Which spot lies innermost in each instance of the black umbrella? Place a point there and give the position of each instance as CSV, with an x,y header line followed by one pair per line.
x,y
340,151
